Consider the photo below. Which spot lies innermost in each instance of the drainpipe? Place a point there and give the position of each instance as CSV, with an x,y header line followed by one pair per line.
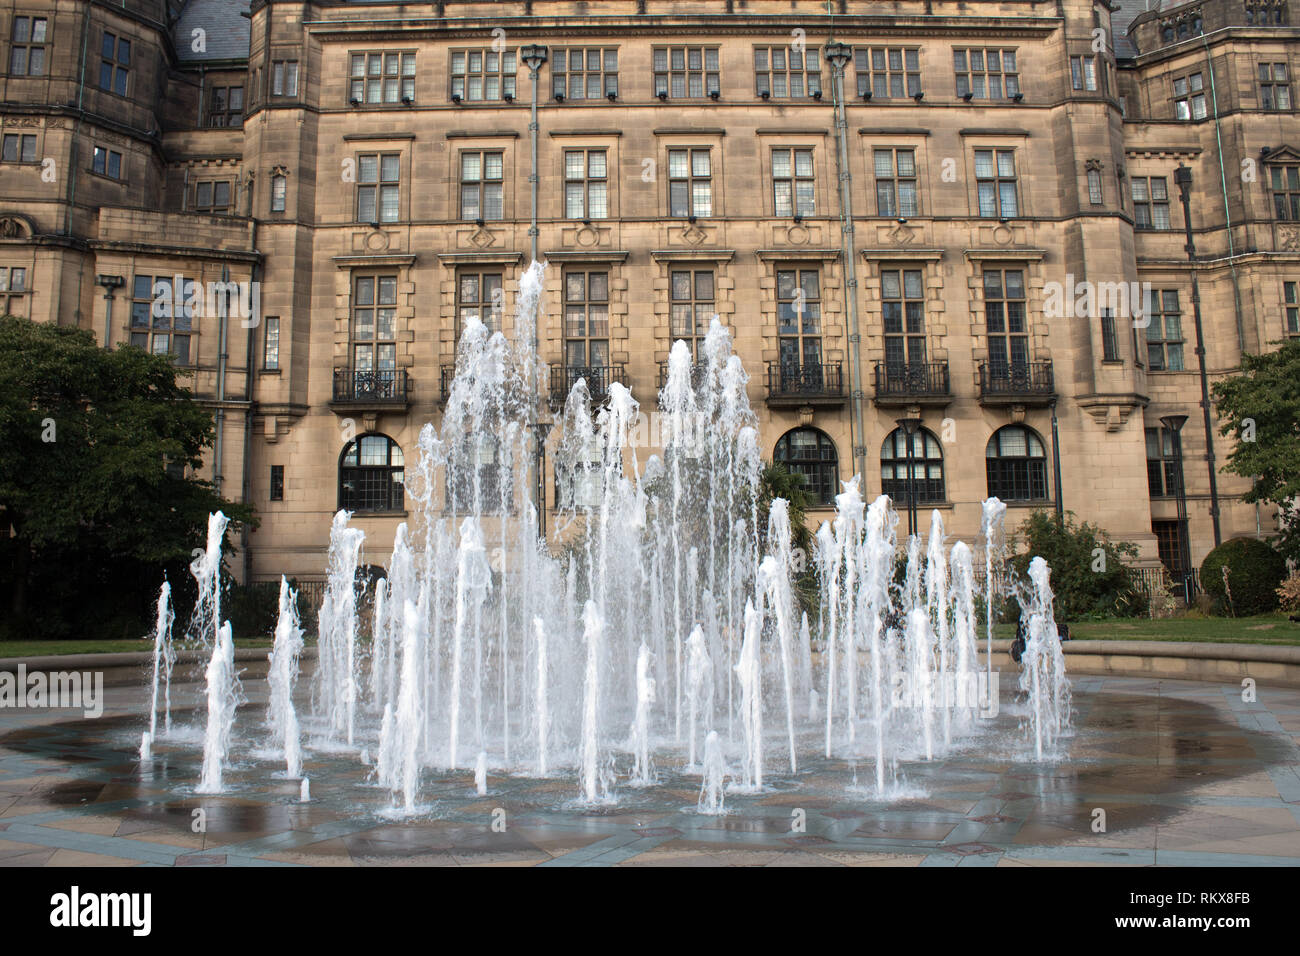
x,y
255,275
219,418
1227,213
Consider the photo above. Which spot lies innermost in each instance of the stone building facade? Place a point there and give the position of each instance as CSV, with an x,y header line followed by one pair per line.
x,y
1020,282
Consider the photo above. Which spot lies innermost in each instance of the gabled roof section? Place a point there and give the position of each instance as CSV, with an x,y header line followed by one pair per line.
x,y
224,26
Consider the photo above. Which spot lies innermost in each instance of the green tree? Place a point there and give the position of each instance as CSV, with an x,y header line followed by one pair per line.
x,y
1089,575
94,503
777,481
1260,408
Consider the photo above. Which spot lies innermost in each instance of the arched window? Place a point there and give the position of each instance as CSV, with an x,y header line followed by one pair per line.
x,y
927,467
371,475
809,452
1017,465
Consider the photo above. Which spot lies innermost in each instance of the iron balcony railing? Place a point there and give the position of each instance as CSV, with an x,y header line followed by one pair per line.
x,y
911,380
598,378
1018,379
371,385
698,372
793,381
446,374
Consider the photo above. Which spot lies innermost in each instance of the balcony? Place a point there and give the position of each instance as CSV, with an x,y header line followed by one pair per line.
x,y
371,389
446,374
598,378
790,385
919,383
698,372
1024,383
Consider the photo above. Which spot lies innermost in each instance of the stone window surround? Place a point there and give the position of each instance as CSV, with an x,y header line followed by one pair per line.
x,y
349,269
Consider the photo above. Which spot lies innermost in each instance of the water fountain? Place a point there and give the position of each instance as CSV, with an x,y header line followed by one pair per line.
x,y
282,677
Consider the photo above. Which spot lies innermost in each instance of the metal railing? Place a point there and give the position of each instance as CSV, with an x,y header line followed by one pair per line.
x,y
791,380
698,372
598,378
911,380
1018,379
371,385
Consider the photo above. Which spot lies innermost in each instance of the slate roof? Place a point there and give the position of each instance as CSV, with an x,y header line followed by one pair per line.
x,y
226,30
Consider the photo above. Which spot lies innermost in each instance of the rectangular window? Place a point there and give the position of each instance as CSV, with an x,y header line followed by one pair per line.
x,y
1094,187
903,315
27,51
792,183
213,197
787,72
1291,306
895,182
686,71
13,290
1005,320
106,162
479,76
1284,183
586,322
586,184
19,148
887,72
692,307
1083,73
271,343
279,187
1189,97
479,295
986,74
584,74
226,106
161,317
374,334
277,482
1150,202
1163,476
114,63
690,183
1274,87
379,187
1165,333
381,78
799,317
1109,339
1171,547
284,78
481,186
995,179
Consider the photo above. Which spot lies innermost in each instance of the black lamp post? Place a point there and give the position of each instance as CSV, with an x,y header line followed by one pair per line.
x,y
1183,179
1174,423
540,429
910,427
533,56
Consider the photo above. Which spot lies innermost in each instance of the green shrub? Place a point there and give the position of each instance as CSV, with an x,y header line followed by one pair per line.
x,y
1090,578
1255,571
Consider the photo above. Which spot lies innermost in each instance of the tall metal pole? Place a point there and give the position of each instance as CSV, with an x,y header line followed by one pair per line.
x,y
534,55
1174,423
1183,178
1056,464
838,55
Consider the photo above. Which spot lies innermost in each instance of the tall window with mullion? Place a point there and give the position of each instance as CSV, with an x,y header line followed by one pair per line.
x,y
479,295
386,77
581,74
213,197
114,63
811,453
1291,307
1165,333
793,185
995,179
887,72
799,317
1150,202
1284,183
1274,87
1016,464
986,74
586,321
159,322
13,290
481,185
374,336
106,162
686,71
586,184
21,148
927,467
787,72
690,183
483,75
379,187
903,308
1005,321
895,182
226,106
27,50
1163,459
692,307
1189,97
372,475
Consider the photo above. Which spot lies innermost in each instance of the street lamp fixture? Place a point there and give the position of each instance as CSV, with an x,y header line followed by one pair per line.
x,y
534,55
910,427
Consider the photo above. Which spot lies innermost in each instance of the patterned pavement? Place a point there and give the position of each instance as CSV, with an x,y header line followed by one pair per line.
x,y
1186,774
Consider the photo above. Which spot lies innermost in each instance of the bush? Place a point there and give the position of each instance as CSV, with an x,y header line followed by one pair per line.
x,y
1089,576
1255,571
1289,593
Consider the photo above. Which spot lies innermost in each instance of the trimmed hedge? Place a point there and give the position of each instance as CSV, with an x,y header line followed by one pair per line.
x,y
1255,571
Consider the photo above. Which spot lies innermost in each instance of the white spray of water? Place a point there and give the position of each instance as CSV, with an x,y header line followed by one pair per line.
x,y
282,677
223,698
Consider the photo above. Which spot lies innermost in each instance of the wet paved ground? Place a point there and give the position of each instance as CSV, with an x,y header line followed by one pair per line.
x,y
1186,773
